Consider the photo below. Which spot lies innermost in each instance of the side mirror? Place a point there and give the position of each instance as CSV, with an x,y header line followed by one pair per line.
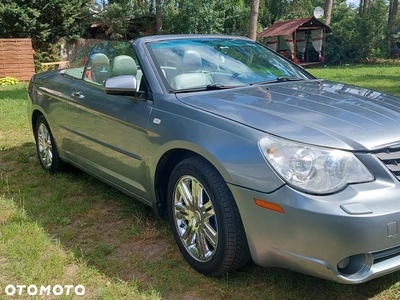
x,y
120,85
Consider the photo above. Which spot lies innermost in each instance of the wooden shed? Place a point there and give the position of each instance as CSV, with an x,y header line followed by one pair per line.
x,y
16,58
302,40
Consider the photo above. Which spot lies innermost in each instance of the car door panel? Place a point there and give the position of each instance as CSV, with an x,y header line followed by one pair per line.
x,y
53,94
110,135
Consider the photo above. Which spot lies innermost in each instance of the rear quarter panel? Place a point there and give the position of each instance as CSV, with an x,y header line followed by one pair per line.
x,y
50,94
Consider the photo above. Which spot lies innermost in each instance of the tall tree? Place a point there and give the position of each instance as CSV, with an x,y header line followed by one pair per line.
x,y
328,11
393,10
364,7
255,5
158,16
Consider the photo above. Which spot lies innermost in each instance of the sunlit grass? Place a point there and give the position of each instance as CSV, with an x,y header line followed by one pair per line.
x,y
13,115
380,77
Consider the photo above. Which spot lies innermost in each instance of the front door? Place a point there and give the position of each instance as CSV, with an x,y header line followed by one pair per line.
x,y
111,138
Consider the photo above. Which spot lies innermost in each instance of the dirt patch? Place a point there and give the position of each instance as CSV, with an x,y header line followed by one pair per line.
x,y
149,250
106,236
132,251
71,270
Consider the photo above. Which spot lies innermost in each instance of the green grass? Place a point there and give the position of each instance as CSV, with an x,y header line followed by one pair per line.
x,y
73,229
385,78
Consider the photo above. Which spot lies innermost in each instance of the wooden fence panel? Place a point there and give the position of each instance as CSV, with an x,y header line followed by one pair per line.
x,y
16,58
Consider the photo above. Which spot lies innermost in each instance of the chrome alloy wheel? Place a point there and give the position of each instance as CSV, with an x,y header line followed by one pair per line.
x,y
195,219
45,148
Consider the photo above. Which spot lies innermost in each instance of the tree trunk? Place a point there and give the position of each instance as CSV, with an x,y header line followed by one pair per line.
x,y
255,4
393,9
158,17
328,11
364,7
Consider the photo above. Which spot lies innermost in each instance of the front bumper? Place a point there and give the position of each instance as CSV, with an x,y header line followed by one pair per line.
x,y
358,226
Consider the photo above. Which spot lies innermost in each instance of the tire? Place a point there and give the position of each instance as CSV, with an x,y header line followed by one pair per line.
x,y
210,220
46,147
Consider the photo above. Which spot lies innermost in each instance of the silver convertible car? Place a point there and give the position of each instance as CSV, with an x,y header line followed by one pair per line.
x,y
247,154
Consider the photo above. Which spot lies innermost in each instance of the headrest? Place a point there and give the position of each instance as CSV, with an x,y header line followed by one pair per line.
x,y
191,61
100,58
123,65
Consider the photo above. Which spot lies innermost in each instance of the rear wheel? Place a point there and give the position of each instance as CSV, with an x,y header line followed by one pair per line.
x,y
205,219
46,148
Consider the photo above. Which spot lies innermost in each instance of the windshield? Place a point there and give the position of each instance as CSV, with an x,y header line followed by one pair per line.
x,y
211,63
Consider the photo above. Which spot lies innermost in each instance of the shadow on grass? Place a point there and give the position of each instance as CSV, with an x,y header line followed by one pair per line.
x,y
17,92
122,239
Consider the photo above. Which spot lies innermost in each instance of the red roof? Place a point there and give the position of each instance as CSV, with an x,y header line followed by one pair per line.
x,y
290,26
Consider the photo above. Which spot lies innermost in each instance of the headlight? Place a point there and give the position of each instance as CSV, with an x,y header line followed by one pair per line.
x,y
312,169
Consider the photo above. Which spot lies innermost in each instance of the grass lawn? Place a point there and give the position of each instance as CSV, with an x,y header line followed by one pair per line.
x,y
71,229
385,78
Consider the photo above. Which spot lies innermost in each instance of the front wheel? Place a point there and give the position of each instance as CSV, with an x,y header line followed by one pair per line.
x,y
46,148
205,219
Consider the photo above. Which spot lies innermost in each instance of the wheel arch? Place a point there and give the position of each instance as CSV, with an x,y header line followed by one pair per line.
x,y
35,116
166,165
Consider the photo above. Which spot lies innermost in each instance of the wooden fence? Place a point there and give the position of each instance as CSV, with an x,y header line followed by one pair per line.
x,y
16,58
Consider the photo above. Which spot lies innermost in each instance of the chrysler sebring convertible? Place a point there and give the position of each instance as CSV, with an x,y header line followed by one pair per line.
x,y
246,154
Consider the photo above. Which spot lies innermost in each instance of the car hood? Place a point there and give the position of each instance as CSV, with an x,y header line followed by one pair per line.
x,y
316,112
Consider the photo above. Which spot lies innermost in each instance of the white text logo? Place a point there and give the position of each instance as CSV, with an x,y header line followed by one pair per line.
x,y
33,290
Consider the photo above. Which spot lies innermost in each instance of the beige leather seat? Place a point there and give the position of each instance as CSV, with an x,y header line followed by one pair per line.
x,y
123,65
191,77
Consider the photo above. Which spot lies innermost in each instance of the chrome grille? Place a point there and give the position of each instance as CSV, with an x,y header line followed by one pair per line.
x,y
391,158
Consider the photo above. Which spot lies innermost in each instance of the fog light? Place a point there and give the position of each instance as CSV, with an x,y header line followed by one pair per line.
x,y
343,263
355,264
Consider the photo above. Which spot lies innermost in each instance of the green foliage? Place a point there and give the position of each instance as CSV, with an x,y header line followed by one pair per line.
x,y
45,22
47,55
122,17
202,16
113,20
272,11
237,18
342,44
8,81
357,38
125,19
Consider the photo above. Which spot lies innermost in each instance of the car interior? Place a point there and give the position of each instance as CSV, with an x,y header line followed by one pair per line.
x,y
190,62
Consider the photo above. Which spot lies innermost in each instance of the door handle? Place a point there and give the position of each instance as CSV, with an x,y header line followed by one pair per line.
x,y
78,95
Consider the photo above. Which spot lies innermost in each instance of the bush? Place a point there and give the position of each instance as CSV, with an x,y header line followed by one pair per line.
x,y
8,81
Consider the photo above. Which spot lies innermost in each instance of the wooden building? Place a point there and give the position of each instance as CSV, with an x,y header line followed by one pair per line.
x,y
301,40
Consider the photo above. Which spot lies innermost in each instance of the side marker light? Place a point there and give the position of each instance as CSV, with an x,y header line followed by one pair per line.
x,y
269,205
